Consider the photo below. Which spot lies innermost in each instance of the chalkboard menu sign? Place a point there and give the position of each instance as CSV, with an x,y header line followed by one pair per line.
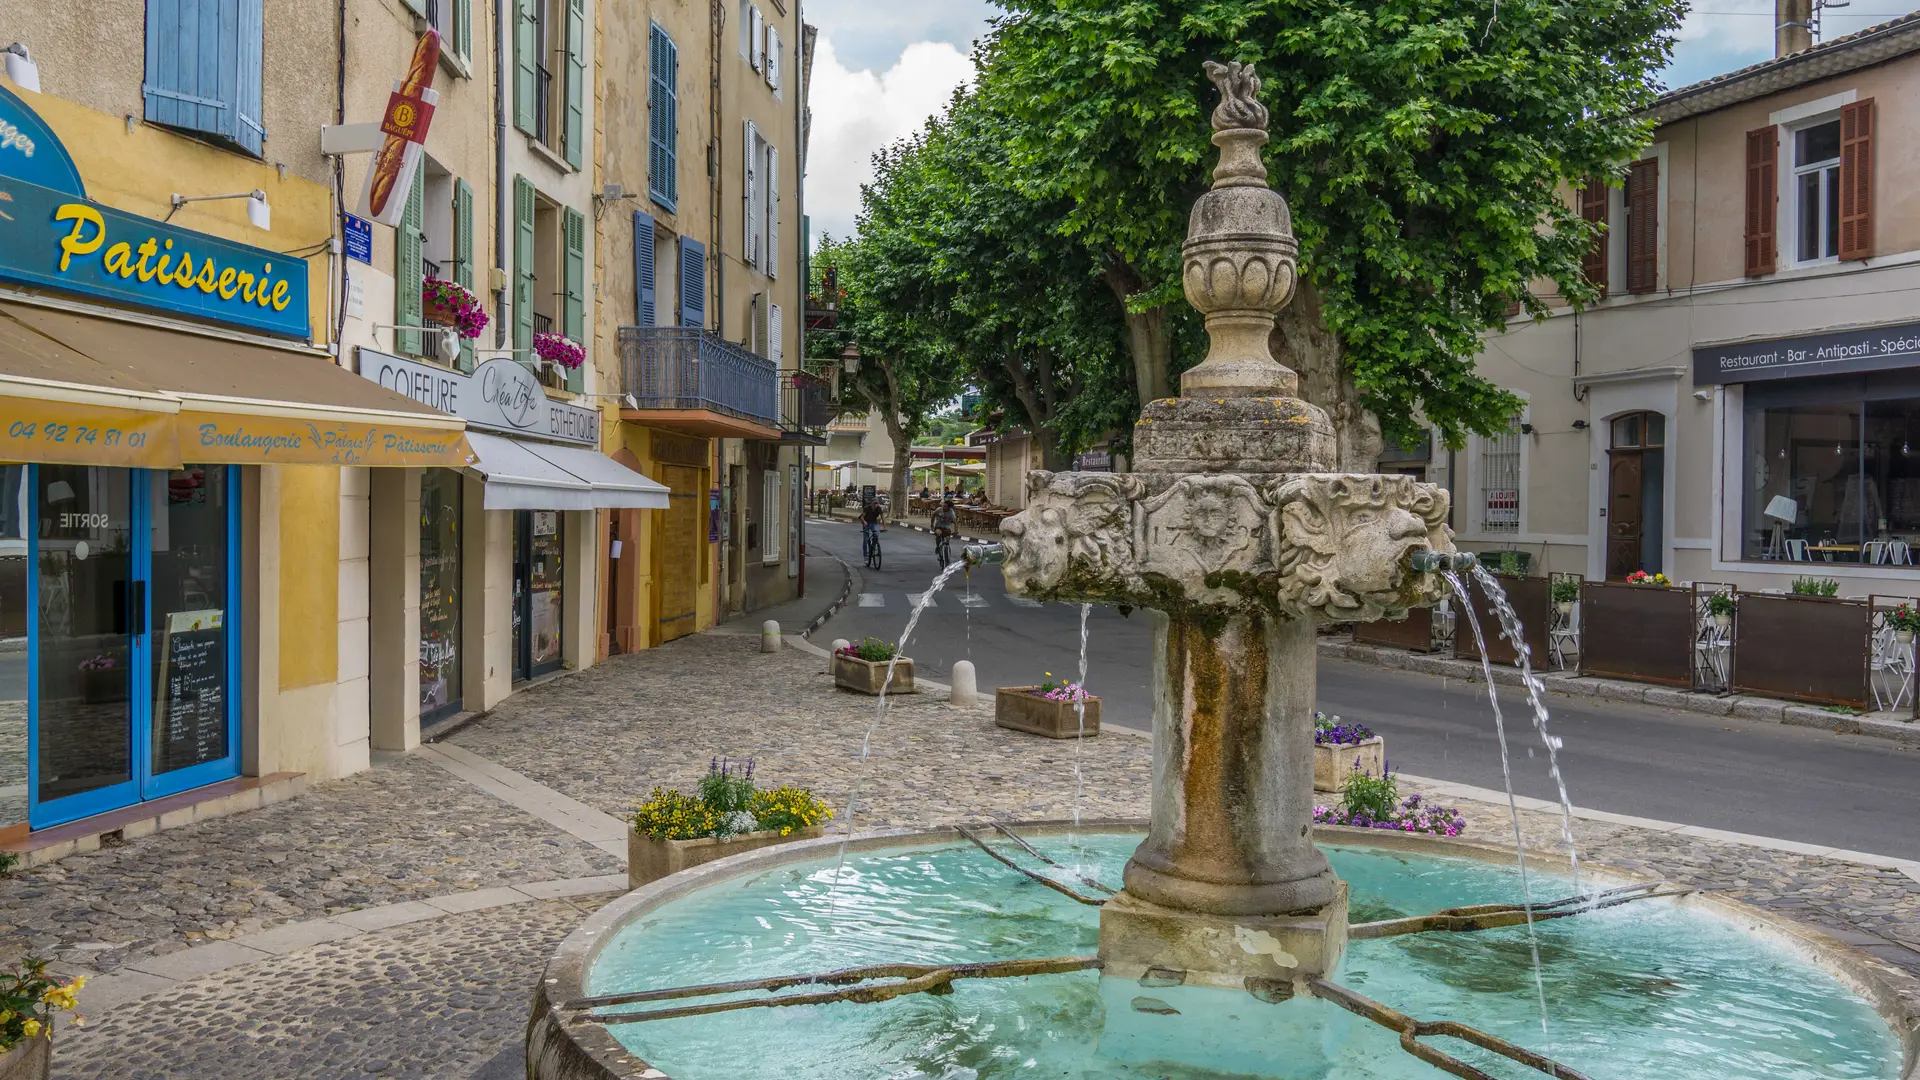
x,y
190,717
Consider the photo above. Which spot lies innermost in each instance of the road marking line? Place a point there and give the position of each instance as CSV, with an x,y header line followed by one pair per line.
x,y
973,600
914,598
873,599
1022,601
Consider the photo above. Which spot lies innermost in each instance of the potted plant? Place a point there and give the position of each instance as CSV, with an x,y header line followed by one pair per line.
x,y
673,831
558,354
1057,710
1641,577
1904,620
1566,593
1807,586
29,998
1372,801
451,304
863,668
1340,749
102,680
1720,609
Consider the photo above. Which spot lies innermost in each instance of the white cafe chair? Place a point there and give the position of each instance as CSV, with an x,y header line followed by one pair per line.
x,y
1876,551
1564,637
1797,551
1892,666
1899,553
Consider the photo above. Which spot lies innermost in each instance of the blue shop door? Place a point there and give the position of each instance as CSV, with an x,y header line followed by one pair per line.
x,y
132,659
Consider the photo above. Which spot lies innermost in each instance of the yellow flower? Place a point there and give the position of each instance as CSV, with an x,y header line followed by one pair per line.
x,y
31,1029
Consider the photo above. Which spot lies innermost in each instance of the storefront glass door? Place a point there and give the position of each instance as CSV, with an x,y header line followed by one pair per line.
x,y
131,662
441,508
537,595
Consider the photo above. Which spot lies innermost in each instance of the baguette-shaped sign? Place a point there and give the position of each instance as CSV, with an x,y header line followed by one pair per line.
x,y
409,113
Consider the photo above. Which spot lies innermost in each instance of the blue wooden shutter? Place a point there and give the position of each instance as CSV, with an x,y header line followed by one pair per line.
x,y
576,79
526,51
643,269
409,241
204,67
663,115
693,283
463,255
574,310
523,238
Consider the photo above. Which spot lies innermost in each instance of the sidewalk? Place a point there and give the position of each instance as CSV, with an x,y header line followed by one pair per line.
x,y
393,923
828,587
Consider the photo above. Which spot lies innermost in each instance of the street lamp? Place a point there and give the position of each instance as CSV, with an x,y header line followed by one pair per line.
x,y
850,359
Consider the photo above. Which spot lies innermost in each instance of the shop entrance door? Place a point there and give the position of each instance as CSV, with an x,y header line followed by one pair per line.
x,y
1636,476
680,553
131,673
538,601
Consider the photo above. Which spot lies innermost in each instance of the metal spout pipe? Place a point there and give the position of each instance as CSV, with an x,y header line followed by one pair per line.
x,y
1429,561
987,554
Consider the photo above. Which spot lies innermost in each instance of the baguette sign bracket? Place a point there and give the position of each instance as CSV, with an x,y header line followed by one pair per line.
x,y
397,143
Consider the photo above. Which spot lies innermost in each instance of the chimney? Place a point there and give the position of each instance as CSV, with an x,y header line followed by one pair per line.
x,y
1792,26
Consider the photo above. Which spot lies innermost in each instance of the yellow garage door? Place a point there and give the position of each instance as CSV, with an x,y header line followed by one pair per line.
x,y
680,549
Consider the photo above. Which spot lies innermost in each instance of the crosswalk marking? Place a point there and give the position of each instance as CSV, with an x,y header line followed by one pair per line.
x,y
973,600
914,598
873,599
1021,601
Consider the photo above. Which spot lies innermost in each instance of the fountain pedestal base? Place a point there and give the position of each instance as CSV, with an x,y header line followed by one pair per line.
x,y
1222,950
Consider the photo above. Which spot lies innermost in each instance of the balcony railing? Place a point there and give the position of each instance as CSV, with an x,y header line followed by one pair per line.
x,y
684,367
805,405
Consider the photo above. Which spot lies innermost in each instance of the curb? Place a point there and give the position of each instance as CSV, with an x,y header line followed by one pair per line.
x,y
956,535
846,593
1564,684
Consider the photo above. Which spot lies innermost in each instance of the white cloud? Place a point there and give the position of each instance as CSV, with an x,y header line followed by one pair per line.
x,y
857,112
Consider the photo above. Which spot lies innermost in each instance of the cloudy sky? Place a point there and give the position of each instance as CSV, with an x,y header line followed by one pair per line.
x,y
884,66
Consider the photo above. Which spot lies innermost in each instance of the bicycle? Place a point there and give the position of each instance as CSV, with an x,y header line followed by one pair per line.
x,y
942,548
870,547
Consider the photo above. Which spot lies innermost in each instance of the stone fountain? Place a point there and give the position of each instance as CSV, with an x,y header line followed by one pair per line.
x,y
1240,539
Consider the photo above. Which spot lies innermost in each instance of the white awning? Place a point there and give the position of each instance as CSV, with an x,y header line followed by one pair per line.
x,y
539,476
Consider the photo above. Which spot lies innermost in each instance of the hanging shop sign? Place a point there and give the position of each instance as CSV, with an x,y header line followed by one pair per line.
x,y
500,395
54,237
1874,348
408,115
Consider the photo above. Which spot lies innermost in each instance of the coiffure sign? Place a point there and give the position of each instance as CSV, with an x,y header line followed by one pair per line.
x,y
500,395
1877,348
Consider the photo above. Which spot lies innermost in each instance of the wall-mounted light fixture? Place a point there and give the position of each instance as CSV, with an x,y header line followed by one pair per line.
x,y
259,214
21,68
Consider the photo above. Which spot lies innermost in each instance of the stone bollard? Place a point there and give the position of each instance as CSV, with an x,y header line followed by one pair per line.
x,y
966,689
770,636
838,644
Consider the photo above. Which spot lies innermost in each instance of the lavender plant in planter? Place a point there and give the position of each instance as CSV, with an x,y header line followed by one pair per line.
x,y
1340,748
673,831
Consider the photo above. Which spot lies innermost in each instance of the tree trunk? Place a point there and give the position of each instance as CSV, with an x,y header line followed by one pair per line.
x,y
1149,339
1052,457
902,465
1302,342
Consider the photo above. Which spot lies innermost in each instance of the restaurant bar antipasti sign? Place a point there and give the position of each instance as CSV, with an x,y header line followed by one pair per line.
x,y
1833,352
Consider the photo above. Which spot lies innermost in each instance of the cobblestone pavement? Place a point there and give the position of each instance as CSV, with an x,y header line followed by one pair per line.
x,y
608,735
436,999
400,832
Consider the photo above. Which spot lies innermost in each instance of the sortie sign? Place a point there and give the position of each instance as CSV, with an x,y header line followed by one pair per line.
x,y
500,395
1874,348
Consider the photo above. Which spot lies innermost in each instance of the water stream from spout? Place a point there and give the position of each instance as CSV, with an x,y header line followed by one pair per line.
x,y
1080,736
1511,630
1506,773
920,605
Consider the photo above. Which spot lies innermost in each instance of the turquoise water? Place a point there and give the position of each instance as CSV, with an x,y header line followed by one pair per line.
x,y
1643,992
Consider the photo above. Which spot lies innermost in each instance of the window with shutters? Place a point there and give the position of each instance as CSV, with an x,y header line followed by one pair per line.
x,y
1499,468
1763,191
430,249
772,200
1593,208
773,59
203,69
1643,226
550,74
753,214
453,20
771,490
663,119
645,271
409,270
1815,188
1856,180
693,283
573,286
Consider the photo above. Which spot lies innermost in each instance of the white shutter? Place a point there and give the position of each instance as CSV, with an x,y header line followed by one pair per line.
x,y
772,212
776,340
773,58
757,40
750,155
772,490
760,317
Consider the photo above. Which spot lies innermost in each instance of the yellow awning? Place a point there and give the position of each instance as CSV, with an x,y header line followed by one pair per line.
x,y
154,397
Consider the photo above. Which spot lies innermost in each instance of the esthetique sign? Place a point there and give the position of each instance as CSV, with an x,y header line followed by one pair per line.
x,y
1877,348
500,395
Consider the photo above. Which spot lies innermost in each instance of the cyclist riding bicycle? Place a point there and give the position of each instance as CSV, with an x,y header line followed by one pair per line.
x,y
942,525
870,523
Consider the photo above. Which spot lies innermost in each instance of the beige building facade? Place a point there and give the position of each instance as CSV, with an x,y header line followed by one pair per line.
x,y
1738,408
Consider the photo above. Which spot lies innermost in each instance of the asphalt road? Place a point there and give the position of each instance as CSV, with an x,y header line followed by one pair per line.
x,y
1798,784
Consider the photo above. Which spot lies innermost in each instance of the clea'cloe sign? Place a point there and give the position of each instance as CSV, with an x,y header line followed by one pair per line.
x,y
52,236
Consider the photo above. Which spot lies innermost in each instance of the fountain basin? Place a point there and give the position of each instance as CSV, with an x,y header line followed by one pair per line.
x,y
1694,988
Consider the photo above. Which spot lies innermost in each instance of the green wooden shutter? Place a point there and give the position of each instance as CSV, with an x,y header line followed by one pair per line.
x,y
463,255
526,51
409,239
463,29
576,79
523,270
574,311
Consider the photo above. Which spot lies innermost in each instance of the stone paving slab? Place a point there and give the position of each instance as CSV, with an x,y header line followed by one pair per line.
x,y
436,1000
401,832
608,735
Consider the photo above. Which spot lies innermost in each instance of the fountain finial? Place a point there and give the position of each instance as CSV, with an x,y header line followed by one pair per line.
x,y
1239,96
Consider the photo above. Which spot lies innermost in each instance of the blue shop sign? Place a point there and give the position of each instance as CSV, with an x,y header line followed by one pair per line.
x,y
53,236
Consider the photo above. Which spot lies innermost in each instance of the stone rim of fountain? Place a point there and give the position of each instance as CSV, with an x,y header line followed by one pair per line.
x,y
561,1046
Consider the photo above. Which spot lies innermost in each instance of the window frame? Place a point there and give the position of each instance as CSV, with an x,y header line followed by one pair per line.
x,y
1828,169
1487,449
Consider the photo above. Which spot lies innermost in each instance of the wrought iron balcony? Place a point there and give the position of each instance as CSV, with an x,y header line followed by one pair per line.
x,y
686,378
806,408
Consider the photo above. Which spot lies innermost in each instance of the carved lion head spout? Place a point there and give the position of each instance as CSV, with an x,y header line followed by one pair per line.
x,y
1344,542
1075,524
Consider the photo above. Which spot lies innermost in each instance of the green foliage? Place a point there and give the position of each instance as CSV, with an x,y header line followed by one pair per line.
x,y
1720,603
1807,586
1566,590
8,861
728,804
1375,797
727,787
1905,619
787,810
872,650
1508,563
1424,146
28,999
671,814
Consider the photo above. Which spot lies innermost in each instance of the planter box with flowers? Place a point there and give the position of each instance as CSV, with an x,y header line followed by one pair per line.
x,y
1050,709
673,831
1372,801
450,304
29,998
862,668
1903,621
1340,750
558,354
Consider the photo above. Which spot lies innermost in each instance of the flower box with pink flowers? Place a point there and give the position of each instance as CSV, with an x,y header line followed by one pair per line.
x,y
1055,710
